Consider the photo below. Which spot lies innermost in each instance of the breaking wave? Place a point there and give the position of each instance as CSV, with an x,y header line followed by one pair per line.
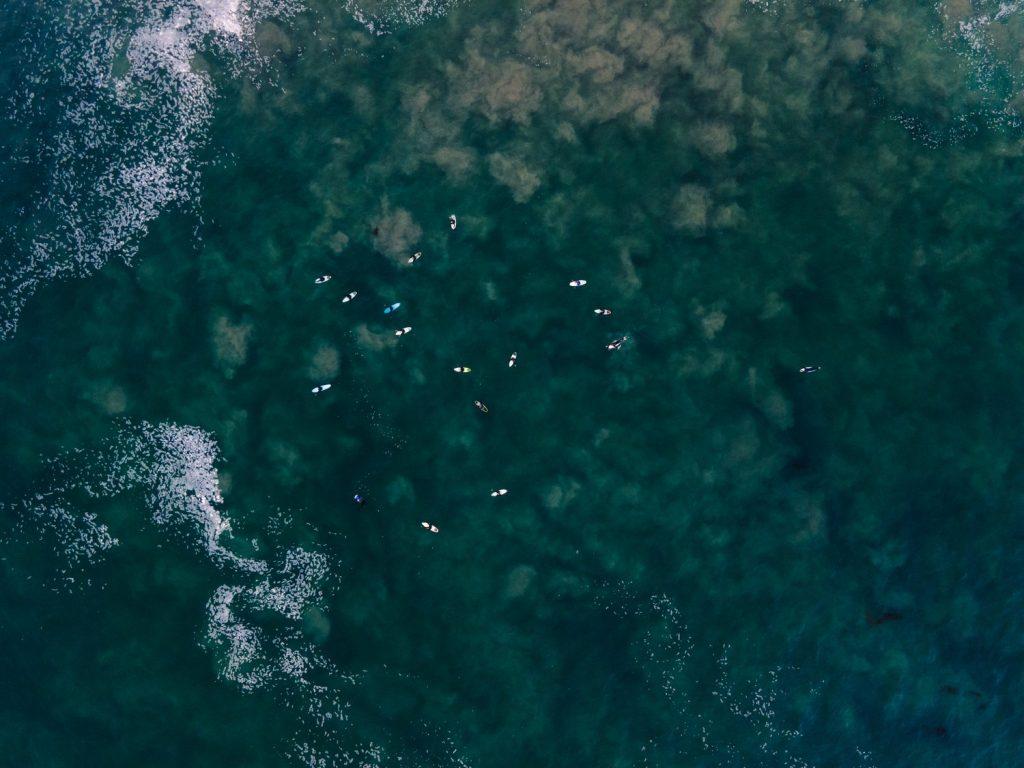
x,y
263,626
123,110
172,465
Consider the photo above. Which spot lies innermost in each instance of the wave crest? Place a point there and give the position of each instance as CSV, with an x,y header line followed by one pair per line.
x,y
124,114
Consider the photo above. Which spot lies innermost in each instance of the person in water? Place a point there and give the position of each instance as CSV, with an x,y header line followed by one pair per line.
x,y
359,499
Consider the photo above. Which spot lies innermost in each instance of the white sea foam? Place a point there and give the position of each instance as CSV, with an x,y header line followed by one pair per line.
x,y
223,15
253,657
276,657
745,716
769,6
122,143
173,465
78,537
972,37
382,17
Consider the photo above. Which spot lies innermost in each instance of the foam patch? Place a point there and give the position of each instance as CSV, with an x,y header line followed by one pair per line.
x,y
125,118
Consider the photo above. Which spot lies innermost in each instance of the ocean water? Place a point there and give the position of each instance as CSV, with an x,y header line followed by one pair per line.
x,y
705,558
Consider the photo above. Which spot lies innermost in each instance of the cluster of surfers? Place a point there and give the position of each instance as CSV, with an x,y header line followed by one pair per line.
x,y
614,345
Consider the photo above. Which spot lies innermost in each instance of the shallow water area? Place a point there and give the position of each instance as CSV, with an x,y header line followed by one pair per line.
x,y
704,558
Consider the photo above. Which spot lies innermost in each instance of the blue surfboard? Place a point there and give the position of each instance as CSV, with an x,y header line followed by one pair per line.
x,y
392,308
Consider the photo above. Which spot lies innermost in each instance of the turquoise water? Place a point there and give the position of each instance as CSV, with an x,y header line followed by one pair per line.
x,y
705,557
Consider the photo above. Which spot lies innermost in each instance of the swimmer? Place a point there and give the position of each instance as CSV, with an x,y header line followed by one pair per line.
x,y
415,257
617,344
403,331
392,308
321,388
512,360
322,279
452,221
462,369
348,297
499,492
577,283
810,369
358,499
429,527
603,312
482,408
